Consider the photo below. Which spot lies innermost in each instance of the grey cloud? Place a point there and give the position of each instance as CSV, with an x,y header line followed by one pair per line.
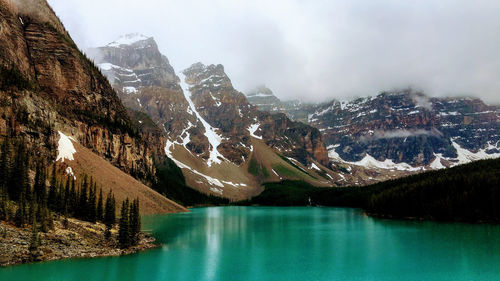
x,y
422,101
403,133
314,50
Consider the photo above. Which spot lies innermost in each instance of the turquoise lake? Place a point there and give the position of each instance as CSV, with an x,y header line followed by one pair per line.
x,y
271,243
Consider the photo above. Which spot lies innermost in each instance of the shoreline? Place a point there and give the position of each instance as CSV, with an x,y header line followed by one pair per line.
x,y
78,239
429,219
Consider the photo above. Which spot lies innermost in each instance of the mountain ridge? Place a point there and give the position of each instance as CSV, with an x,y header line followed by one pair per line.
x,y
200,112
49,86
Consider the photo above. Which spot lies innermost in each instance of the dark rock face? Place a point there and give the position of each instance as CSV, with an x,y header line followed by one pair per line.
x,y
134,60
229,110
407,127
226,111
67,92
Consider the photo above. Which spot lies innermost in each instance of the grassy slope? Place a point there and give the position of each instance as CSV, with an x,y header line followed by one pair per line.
x,y
172,184
123,185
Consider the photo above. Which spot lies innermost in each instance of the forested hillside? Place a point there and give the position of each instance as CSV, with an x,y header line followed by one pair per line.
x,y
469,193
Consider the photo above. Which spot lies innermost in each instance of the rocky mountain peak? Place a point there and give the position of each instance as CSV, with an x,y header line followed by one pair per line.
x,y
209,126
409,129
212,75
131,39
264,99
134,61
62,90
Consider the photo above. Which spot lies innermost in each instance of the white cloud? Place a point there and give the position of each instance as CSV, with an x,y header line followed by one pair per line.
x,y
315,50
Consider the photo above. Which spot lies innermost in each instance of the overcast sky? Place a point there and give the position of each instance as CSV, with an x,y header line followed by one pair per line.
x,y
313,50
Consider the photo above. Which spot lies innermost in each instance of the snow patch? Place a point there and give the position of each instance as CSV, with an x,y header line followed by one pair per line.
x,y
467,156
332,154
106,66
276,174
211,180
436,163
70,173
216,190
370,162
128,39
313,166
65,148
210,132
129,90
252,129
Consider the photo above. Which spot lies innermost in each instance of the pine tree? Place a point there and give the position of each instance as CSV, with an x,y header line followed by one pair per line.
x,y
5,165
135,222
42,215
35,239
60,198
82,210
3,209
52,200
72,200
67,197
91,205
20,216
109,213
100,210
124,226
40,186
18,178
32,209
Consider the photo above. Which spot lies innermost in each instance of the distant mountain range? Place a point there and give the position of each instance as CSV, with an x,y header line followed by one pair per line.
x,y
146,115
399,130
212,128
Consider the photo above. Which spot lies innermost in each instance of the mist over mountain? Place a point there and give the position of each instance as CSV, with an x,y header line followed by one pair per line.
x,y
339,49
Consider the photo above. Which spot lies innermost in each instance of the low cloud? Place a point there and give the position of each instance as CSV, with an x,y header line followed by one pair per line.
x,y
422,101
403,133
314,50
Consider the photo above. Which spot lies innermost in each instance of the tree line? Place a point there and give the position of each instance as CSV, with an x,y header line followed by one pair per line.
x,y
36,202
469,193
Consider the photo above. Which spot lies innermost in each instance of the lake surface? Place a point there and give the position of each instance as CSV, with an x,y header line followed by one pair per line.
x,y
267,243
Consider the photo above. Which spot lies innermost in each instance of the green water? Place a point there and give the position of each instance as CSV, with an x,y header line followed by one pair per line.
x,y
261,243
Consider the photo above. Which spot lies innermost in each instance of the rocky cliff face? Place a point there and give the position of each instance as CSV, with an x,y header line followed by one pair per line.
x,y
53,86
201,113
396,133
147,82
409,128
225,108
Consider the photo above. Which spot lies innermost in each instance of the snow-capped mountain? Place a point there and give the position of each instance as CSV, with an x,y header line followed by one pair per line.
x,y
408,130
225,145
397,133
65,111
133,61
264,99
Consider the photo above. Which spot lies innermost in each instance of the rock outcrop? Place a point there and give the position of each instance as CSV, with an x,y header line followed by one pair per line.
x,y
410,128
199,110
50,85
